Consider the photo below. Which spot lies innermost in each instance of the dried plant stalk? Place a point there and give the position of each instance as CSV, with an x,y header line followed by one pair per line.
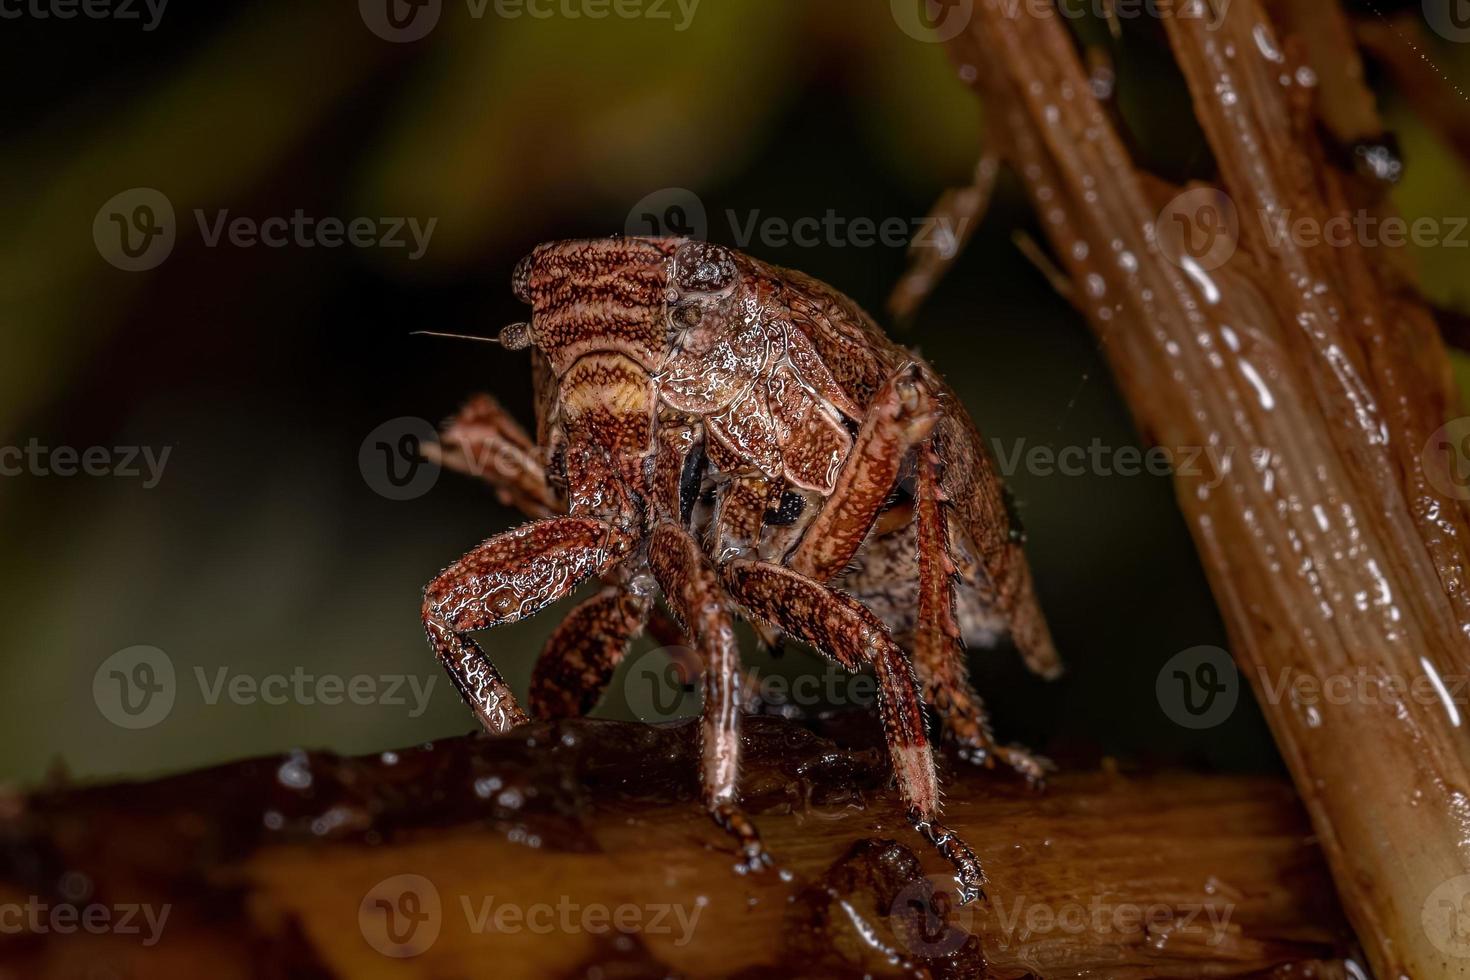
x,y
292,867
1317,373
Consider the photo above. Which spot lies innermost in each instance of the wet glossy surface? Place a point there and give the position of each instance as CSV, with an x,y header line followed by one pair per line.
x,y
265,864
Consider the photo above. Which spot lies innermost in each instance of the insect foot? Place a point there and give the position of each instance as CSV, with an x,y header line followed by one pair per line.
x,y
969,875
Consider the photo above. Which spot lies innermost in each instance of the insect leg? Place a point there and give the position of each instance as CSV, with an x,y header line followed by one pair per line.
x,y
484,441
1001,584
900,417
939,652
581,655
694,594
840,627
507,578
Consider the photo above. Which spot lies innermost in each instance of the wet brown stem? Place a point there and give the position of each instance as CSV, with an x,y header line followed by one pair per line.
x,y
1331,530
518,855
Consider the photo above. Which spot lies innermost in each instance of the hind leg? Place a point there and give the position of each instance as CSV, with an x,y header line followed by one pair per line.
x,y
939,653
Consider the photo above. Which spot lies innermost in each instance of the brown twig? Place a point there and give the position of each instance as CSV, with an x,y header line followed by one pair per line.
x,y
512,856
1333,538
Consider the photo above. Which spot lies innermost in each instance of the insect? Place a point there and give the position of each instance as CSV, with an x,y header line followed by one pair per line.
x,y
737,439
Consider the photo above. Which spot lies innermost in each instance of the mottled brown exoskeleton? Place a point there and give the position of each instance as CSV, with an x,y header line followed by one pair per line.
x,y
854,507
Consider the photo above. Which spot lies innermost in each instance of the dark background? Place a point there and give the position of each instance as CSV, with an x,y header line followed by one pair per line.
x,y
265,549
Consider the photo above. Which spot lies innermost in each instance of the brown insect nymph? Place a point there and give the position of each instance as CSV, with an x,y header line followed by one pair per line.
x,y
855,508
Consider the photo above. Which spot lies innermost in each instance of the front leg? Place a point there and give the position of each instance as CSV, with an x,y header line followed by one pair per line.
x,y
693,593
509,577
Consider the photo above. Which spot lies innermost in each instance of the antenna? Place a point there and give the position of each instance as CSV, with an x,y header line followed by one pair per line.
x,y
454,336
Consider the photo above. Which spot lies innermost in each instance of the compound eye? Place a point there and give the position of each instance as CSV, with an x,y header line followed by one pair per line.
x,y
702,267
687,316
520,280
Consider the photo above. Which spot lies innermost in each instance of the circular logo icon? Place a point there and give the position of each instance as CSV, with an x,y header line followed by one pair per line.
x,y
392,461
664,684
135,688
932,20
928,919
400,21
1446,459
135,230
1198,687
1446,917
1449,18
1199,227
401,916
673,212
